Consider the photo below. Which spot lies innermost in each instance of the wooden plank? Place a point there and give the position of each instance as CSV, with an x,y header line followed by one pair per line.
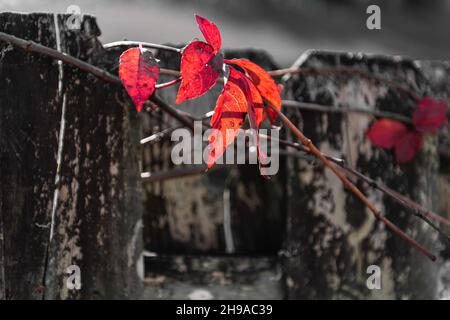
x,y
97,213
331,237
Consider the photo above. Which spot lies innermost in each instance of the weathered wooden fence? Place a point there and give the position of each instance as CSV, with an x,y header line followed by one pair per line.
x,y
302,220
333,236
98,208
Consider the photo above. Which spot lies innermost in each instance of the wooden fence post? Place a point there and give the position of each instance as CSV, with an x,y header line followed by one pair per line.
x,y
96,204
438,75
186,215
331,237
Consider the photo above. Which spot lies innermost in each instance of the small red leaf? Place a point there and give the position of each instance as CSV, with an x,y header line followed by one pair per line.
x,y
407,146
255,109
228,118
430,115
210,32
139,72
200,68
385,132
263,82
257,105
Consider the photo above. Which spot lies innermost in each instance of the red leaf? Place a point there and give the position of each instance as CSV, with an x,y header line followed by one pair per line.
x,y
254,99
139,72
407,146
257,105
385,132
263,82
200,68
430,115
228,118
255,109
210,32
256,116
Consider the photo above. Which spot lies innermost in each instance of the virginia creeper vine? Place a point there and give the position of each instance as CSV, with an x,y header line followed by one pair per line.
x,y
248,91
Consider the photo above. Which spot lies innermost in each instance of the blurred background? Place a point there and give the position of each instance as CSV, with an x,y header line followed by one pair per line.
x,y
285,28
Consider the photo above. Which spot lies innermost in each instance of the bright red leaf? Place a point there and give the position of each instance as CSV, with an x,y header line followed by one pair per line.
x,y
385,132
139,72
201,64
430,115
407,146
200,69
210,32
228,118
255,109
263,82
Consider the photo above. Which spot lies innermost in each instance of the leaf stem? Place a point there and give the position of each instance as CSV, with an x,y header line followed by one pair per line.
x,y
167,84
127,43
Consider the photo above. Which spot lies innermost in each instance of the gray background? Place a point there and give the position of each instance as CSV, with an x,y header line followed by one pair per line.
x,y
286,28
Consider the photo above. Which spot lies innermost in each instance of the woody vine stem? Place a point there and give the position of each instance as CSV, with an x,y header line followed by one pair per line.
x,y
187,121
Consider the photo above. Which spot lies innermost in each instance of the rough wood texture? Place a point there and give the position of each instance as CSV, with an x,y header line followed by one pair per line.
x,y
98,210
186,215
206,277
438,74
331,237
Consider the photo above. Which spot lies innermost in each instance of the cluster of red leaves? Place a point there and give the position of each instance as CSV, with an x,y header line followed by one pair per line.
x,y
244,92
428,117
202,64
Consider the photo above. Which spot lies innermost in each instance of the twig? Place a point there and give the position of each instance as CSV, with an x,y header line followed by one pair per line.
x,y
416,209
32,46
169,72
177,114
127,43
332,109
345,71
167,84
313,150
160,135
173,173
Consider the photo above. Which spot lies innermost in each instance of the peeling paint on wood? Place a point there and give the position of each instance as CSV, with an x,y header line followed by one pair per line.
x,y
97,225
331,237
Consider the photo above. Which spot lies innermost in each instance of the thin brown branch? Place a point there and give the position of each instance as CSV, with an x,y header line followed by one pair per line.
x,y
177,114
127,43
173,173
160,135
349,185
32,46
347,72
167,84
415,208
332,109
169,72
